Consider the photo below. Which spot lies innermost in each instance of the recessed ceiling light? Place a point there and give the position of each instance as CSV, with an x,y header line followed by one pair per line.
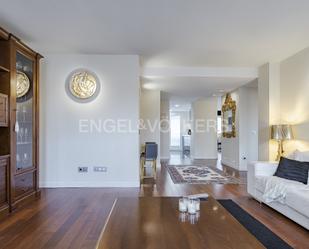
x,y
176,106
150,86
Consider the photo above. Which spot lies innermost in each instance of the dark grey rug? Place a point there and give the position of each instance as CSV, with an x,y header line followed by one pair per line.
x,y
256,228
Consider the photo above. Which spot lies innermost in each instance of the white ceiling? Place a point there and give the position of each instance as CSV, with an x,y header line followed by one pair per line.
x,y
194,87
196,82
180,104
231,33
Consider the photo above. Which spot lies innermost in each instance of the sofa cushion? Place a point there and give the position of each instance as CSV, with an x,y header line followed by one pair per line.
x,y
298,200
293,170
302,156
292,155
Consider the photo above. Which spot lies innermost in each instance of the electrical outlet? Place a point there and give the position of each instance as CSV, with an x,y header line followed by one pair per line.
x,y
99,169
82,169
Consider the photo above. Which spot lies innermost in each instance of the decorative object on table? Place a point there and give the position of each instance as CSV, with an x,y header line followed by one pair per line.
x,y
192,206
189,204
189,209
229,117
182,205
197,205
182,217
83,84
193,218
281,133
22,84
202,196
192,174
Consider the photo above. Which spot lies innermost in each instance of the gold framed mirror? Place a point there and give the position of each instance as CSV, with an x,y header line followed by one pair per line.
x,y
229,117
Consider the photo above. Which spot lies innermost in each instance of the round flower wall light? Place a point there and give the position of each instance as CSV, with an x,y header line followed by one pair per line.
x,y
83,85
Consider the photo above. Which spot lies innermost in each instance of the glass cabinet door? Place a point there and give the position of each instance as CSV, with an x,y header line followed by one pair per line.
x,y
24,112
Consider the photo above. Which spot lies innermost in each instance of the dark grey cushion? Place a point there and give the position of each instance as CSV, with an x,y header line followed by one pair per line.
x,y
293,170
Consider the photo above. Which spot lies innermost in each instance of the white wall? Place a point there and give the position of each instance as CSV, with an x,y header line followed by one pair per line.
x,y
269,108
165,133
283,98
204,144
230,146
64,147
263,98
237,152
274,105
248,126
294,98
150,113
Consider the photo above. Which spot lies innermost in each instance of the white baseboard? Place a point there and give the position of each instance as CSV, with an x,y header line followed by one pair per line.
x,y
111,184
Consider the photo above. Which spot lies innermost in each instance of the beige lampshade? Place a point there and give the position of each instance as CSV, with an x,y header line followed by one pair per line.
x,y
281,132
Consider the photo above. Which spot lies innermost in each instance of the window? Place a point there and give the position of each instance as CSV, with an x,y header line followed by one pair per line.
x,y
175,131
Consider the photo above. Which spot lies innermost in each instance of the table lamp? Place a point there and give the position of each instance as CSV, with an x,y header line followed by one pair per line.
x,y
281,133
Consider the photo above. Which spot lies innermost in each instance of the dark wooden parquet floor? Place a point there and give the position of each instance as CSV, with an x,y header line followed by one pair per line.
x,y
74,217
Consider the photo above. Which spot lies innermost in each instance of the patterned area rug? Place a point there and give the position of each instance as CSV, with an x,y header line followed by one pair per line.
x,y
192,174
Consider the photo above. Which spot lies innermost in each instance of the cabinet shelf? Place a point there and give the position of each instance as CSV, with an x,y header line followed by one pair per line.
x,y
23,143
4,69
25,122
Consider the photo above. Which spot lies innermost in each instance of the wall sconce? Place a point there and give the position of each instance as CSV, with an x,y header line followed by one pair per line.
x,y
281,133
83,85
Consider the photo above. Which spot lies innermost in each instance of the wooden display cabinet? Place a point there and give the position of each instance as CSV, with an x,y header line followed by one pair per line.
x,y
19,123
4,185
4,110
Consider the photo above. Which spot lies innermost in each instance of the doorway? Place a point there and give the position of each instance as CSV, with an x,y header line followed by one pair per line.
x,y
175,141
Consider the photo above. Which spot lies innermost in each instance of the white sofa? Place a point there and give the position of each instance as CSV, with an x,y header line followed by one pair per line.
x,y
297,201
